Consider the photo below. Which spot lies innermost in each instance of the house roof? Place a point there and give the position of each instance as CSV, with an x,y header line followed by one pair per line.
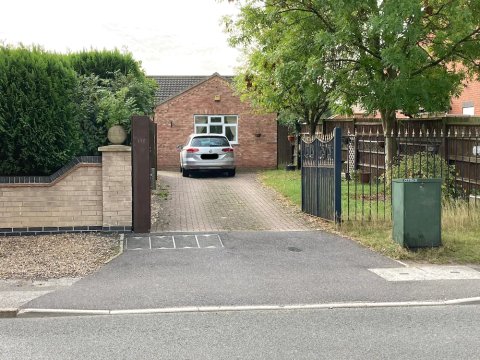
x,y
170,86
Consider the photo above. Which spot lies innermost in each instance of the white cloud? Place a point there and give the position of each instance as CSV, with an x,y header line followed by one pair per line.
x,y
168,37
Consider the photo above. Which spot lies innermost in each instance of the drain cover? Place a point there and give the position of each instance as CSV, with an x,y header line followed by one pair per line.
x,y
294,249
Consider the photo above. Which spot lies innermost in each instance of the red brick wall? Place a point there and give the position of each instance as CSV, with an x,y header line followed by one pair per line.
x,y
174,120
471,92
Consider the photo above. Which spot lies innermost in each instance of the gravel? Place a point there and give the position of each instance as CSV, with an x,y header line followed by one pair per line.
x,y
55,256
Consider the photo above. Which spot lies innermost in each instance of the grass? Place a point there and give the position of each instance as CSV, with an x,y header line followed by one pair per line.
x,y
460,223
161,191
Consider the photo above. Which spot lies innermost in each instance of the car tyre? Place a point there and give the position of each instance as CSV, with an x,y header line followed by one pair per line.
x,y
185,173
231,173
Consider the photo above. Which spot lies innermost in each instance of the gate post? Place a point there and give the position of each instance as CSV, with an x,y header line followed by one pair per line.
x,y
337,151
141,174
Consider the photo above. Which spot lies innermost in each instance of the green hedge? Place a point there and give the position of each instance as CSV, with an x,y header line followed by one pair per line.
x,y
39,131
104,63
54,107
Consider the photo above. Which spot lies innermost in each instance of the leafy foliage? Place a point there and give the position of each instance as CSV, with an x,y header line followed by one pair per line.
x,y
38,127
425,165
103,103
113,87
92,132
382,55
116,108
281,73
104,63
49,113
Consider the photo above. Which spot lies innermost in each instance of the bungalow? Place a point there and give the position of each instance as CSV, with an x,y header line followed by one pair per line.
x,y
208,104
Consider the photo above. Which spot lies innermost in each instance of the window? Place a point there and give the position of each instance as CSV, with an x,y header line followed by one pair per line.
x,y
468,108
214,141
218,124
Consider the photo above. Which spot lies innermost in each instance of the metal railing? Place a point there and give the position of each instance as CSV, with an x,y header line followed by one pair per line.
x,y
367,175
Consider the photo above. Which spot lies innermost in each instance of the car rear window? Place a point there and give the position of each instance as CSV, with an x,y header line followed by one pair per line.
x,y
210,141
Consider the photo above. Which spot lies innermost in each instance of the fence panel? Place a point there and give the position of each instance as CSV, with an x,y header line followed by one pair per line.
x,y
454,157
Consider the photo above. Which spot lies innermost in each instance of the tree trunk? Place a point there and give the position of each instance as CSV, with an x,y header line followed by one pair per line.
x,y
389,124
313,127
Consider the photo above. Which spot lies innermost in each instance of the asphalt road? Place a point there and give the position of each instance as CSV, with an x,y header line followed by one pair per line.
x,y
383,333
253,268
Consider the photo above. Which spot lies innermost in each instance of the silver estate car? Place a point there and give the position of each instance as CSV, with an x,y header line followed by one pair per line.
x,y
207,152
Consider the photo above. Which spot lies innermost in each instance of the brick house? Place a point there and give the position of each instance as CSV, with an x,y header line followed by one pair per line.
x,y
468,103
208,104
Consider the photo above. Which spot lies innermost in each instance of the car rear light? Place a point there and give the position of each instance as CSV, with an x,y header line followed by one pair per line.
x,y
192,150
227,150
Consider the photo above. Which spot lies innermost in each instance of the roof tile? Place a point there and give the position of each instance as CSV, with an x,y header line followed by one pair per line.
x,y
172,85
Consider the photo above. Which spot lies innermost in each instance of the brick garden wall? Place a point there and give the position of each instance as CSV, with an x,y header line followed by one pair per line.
x,y
175,121
89,194
72,200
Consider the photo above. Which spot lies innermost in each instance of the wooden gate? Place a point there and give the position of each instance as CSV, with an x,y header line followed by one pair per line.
x,y
144,171
321,176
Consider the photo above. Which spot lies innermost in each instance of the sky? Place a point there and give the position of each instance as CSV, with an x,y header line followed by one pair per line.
x,y
169,37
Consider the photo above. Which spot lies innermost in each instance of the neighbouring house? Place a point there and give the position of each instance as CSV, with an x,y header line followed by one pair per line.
x,y
468,103
208,104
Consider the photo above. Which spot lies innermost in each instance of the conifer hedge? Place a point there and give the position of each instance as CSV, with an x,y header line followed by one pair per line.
x,y
39,132
54,107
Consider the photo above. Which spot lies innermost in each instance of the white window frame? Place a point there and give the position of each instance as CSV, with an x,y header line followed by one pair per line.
x,y
468,110
222,123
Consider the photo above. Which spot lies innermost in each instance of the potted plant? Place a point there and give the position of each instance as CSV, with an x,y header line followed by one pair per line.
x,y
115,112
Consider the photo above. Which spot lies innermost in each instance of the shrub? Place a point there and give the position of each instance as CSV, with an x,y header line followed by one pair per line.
x,y
92,132
425,165
38,127
106,102
113,87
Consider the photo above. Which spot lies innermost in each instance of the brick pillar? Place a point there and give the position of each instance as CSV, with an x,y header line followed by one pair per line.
x,y
117,186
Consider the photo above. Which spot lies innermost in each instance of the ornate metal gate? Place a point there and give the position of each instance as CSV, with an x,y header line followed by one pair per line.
x,y
321,176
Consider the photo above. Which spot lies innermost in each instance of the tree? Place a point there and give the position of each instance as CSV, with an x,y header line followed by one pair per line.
x,y
388,55
282,73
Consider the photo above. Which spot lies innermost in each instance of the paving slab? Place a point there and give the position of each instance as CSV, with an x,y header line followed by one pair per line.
x,y
15,293
428,273
214,203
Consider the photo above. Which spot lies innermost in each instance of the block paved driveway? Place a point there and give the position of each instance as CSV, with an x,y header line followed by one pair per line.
x,y
207,203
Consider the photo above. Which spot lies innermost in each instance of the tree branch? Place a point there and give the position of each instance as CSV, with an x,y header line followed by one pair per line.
x,y
448,54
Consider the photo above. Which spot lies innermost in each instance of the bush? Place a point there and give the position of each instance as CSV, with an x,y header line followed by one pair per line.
x,y
38,126
424,165
93,133
106,102
112,88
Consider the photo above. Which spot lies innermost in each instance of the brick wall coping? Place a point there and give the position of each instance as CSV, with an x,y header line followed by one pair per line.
x,y
49,180
115,148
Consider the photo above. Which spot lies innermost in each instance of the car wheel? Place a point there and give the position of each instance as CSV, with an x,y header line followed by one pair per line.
x,y
185,173
231,173
181,169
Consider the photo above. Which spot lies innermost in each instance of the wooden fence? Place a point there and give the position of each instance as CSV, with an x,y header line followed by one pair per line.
x,y
457,140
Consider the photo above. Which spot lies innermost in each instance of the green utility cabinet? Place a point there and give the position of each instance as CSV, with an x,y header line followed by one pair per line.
x,y
416,207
